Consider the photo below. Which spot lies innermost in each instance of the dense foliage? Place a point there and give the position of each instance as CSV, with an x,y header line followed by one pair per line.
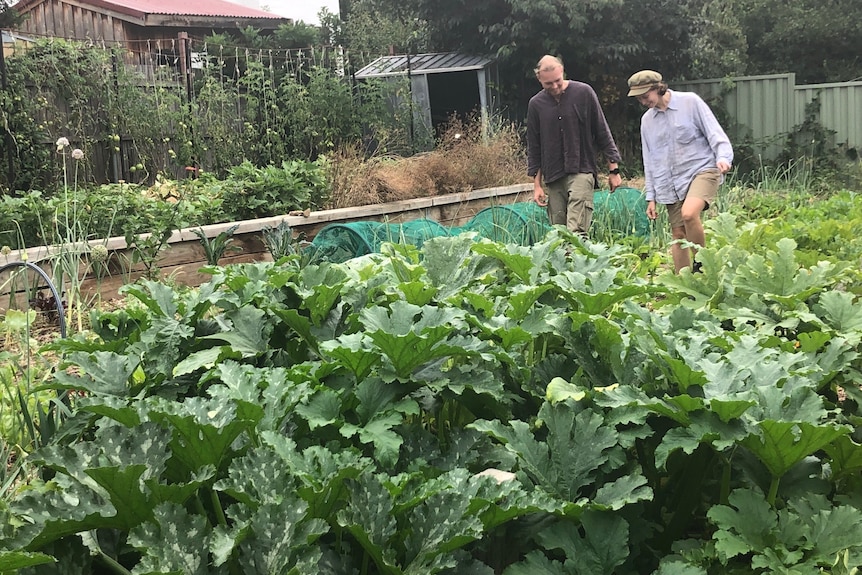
x,y
604,41
135,121
335,418
100,212
608,39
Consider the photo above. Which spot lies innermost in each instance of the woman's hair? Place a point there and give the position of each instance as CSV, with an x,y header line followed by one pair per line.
x,y
661,88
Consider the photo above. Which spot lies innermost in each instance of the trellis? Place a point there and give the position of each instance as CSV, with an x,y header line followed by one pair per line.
x,y
169,79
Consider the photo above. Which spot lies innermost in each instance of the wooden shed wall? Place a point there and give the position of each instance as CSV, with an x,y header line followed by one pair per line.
x,y
66,20
70,20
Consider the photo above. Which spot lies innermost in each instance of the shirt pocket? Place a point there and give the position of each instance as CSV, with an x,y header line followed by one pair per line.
x,y
685,134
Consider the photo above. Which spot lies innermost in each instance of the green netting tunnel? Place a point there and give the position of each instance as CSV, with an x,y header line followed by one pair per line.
x,y
523,223
341,242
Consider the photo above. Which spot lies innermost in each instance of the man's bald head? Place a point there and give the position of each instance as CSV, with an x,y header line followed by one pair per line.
x,y
548,63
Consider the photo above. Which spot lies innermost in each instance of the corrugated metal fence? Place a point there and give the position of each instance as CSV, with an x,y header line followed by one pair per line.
x,y
768,107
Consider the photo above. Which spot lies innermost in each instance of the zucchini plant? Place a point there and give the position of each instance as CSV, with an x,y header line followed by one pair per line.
x,y
341,418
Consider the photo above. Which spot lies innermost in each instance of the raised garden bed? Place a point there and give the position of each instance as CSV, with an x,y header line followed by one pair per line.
x,y
185,254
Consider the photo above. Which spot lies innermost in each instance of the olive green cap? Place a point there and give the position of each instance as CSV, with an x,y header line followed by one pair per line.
x,y
641,82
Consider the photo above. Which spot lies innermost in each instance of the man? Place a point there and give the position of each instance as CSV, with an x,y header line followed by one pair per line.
x,y
565,128
686,154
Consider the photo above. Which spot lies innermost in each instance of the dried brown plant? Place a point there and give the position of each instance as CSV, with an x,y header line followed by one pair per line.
x,y
469,155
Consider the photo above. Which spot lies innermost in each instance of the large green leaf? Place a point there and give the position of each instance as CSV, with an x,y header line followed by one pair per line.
x,y
596,293
440,525
746,525
163,344
702,427
451,265
175,543
776,275
101,373
599,349
204,431
521,261
322,474
281,538
833,529
839,311
323,408
354,352
782,444
204,359
522,298
248,332
498,503
299,324
378,432
577,446
64,509
370,520
599,551
159,297
410,336
623,491
321,286
845,456
14,560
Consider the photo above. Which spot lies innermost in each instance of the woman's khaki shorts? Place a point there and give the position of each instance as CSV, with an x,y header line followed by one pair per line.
x,y
704,186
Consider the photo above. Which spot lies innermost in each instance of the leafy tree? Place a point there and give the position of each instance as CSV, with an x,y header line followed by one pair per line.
x,y
377,27
718,45
9,16
601,41
286,36
821,41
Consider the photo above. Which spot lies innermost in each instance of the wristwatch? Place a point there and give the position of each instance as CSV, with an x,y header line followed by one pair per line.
x,y
615,171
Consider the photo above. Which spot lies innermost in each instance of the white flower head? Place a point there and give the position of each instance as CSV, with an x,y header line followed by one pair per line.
x,y
62,143
78,154
99,253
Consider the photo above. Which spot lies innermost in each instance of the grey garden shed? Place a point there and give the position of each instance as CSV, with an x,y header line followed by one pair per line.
x,y
441,85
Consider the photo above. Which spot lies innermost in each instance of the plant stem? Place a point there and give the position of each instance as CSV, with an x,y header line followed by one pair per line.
x,y
217,508
112,564
724,494
773,491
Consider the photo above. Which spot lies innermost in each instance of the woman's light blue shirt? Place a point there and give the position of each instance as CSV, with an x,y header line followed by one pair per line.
x,y
678,144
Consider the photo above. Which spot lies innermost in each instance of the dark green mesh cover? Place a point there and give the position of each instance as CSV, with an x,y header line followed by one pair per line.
x,y
523,223
341,242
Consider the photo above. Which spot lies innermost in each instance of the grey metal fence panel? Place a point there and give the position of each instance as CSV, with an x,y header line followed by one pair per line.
x,y
840,110
767,108
761,107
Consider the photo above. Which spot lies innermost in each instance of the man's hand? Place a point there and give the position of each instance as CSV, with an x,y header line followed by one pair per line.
x,y
614,181
650,210
539,196
722,166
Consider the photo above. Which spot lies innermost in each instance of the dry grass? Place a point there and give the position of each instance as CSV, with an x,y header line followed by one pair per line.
x,y
465,158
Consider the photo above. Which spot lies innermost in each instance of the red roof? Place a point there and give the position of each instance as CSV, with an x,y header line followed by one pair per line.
x,y
193,7
140,8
